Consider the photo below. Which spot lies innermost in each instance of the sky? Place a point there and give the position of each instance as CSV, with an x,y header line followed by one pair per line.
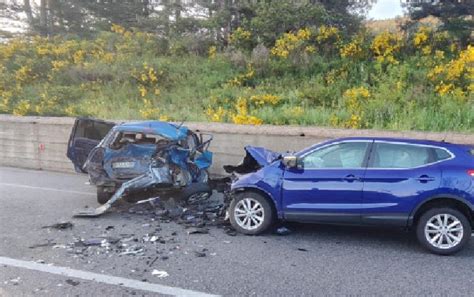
x,y
385,9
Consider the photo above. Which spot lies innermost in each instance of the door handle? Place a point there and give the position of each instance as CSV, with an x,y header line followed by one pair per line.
x,y
351,178
425,179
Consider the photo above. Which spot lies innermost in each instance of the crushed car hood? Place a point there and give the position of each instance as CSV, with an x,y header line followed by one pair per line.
x,y
262,155
254,159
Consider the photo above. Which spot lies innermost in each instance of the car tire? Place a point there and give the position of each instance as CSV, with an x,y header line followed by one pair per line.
x,y
103,195
443,231
251,213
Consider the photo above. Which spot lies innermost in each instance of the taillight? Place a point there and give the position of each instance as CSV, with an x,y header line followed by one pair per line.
x,y
471,172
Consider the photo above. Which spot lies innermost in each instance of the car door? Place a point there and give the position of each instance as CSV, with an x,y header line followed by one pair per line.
x,y
327,185
85,135
399,175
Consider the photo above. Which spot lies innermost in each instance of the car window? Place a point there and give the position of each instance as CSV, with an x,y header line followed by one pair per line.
x,y
92,129
393,155
442,154
341,155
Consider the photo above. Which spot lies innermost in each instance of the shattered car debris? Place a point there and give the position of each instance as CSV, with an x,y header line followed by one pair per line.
x,y
139,160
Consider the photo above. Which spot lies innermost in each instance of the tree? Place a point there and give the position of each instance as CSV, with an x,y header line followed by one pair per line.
x,y
456,15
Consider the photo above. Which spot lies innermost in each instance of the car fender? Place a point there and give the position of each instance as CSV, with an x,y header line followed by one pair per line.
x,y
266,180
438,196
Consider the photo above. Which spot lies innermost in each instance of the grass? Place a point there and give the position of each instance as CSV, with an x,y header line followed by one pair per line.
x,y
130,78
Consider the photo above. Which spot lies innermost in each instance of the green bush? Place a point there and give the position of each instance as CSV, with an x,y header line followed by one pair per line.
x,y
306,77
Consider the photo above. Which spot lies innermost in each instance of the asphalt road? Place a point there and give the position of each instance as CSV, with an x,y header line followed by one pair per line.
x,y
313,260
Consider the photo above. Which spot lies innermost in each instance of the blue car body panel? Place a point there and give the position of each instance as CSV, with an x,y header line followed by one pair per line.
x,y
371,195
164,129
140,153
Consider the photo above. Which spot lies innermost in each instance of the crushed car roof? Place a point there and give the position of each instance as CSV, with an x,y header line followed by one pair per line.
x,y
164,129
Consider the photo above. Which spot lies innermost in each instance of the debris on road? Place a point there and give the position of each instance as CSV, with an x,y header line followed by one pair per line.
x,y
72,282
302,250
283,231
198,231
46,244
159,273
98,241
14,281
196,216
201,253
59,226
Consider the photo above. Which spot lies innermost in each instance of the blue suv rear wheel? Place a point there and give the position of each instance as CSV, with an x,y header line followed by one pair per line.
x,y
443,231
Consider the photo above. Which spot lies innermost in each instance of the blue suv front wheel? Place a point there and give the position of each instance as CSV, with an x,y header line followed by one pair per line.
x,y
251,213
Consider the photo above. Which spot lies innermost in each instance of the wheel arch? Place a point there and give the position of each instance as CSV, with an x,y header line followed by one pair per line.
x,y
442,200
262,192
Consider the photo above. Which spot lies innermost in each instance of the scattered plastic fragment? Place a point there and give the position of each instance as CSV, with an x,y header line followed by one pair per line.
x,y
283,231
94,241
134,250
200,254
60,226
159,273
48,243
195,230
72,282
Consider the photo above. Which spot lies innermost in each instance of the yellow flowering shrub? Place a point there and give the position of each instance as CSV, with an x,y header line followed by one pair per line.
x,y
151,112
47,104
117,29
295,111
261,100
237,114
385,46
23,107
352,49
24,74
242,79
216,114
327,33
78,57
5,99
147,79
290,42
59,65
421,37
334,75
241,117
354,100
456,76
212,52
240,38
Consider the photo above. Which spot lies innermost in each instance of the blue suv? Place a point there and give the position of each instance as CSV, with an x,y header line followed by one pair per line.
x,y
415,184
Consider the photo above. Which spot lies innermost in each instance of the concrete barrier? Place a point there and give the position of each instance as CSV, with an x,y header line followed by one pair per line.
x,y
41,142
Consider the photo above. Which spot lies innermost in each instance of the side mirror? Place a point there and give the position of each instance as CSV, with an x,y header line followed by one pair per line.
x,y
290,161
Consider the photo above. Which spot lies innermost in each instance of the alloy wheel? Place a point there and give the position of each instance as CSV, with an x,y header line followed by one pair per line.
x,y
249,213
444,231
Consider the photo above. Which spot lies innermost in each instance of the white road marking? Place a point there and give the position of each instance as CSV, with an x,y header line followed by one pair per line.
x,y
46,189
101,278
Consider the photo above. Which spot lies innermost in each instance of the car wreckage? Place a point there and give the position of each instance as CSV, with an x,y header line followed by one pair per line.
x,y
139,160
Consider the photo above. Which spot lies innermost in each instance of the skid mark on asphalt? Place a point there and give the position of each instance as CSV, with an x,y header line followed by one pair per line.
x,y
101,278
46,189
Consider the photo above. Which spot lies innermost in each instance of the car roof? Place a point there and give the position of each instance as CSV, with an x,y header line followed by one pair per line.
x,y
164,129
404,140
